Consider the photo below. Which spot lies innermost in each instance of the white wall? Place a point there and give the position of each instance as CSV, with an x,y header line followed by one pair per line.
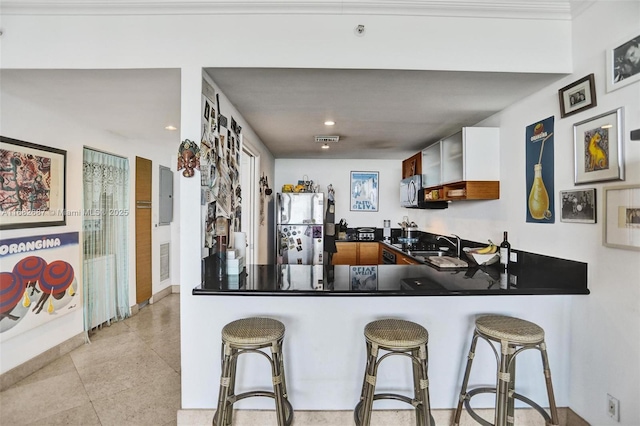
x,y
18,118
192,42
286,40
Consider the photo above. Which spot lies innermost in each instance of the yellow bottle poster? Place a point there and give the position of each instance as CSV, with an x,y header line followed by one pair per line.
x,y
539,171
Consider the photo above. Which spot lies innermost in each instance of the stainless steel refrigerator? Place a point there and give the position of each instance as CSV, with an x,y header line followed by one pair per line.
x,y
299,228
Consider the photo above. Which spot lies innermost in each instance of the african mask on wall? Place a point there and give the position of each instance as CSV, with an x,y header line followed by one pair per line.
x,y
188,157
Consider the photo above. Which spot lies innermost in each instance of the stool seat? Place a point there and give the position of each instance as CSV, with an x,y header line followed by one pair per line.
x,y
515,330
401,338
507,337
253,331
252,336
396,333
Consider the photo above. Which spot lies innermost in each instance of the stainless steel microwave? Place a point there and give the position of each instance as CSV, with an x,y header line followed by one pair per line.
x,y
411,191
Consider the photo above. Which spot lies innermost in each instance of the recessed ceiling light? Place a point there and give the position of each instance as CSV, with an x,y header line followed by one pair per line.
x,y
325,146
329,123
171,127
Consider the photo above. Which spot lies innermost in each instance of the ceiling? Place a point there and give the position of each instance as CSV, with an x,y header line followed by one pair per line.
x,y
135,104
378,113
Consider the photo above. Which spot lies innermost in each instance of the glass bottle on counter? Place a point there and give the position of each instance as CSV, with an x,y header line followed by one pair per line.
x,y
505,251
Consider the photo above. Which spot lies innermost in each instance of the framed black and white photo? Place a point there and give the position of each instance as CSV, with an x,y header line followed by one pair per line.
x,y
33,189
598,148
621,219
578,205
623,62
364,191
578,96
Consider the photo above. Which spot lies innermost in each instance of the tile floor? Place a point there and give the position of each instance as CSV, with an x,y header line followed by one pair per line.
x,y
128,375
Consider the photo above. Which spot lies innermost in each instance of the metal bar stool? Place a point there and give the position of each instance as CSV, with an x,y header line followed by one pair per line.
x,y
514,336
245,336
397,337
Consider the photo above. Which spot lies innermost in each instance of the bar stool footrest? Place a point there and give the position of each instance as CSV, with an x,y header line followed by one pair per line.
x,y
378,396
288,406
476,417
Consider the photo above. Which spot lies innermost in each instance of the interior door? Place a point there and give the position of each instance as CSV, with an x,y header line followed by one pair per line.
x,y
143,230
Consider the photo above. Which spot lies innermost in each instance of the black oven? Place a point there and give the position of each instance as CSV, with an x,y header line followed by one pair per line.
x,y
388,257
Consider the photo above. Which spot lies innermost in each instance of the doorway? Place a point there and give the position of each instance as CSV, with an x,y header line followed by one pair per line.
x,y
143,230
248,182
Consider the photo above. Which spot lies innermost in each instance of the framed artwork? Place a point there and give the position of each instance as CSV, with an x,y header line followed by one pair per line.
x,y
363,278
40,284
623,62
33,185
578,205
540,176
364,191
621,223
598,148
578,96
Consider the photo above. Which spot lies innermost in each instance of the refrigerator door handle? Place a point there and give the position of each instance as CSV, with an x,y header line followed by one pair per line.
x,y
285,209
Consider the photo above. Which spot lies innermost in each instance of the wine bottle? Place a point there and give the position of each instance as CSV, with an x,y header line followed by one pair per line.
x,y
505,252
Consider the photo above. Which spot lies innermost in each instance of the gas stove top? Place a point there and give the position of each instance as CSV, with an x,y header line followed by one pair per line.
x,y
417,246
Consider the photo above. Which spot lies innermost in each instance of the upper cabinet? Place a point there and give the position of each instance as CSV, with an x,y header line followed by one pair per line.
x,y
412,166
463,166
432,160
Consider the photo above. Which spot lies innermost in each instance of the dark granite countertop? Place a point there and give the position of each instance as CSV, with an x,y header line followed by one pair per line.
x,y
535,275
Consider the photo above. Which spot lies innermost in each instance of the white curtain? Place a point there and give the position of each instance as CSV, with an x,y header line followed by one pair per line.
x,y
106,237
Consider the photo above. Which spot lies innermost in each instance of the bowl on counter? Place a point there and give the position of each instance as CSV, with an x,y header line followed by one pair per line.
x,y
481,259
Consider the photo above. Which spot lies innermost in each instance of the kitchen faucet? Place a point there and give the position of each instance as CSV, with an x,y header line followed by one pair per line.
x,y
456,244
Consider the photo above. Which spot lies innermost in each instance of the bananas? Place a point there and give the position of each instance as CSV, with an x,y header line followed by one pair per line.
x,y
490,249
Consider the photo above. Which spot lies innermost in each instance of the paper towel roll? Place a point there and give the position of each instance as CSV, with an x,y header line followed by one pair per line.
x,y
240,243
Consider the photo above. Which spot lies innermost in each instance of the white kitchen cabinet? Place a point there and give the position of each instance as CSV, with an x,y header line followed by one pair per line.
x,y
452,158
470,154
465,165
431,165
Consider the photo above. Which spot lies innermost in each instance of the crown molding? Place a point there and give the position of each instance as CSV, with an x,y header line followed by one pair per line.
x,y
579,6
508,9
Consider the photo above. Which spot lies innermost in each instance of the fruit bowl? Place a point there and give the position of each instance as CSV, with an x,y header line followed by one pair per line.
x,y
481,259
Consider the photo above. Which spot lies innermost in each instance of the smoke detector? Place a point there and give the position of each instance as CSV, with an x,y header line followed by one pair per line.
x,y
326,139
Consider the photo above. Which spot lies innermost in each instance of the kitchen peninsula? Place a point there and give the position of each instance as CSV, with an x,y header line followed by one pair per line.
x,y
324,343
539,275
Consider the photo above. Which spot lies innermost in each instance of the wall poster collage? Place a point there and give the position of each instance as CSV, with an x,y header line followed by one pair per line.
x,y
220,150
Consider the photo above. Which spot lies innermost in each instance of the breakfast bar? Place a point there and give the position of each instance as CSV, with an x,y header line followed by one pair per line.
x,y
325,309
395,280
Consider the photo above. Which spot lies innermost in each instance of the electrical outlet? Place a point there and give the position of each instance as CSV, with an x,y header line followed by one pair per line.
x,y
613,408
513,257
